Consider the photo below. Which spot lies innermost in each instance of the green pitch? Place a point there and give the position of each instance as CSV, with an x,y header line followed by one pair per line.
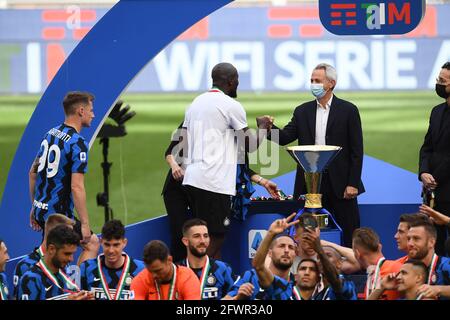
x,y
394,124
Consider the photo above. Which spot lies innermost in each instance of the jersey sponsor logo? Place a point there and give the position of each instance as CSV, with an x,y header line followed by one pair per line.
x,y
40,205
25,297
15,281
255,238
100,294
210,293
83,156
64,296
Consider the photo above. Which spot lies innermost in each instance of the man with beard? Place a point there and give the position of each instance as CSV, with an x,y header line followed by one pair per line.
x,y
367,250
46,280
31,259
307,279
162,279
421,243
434,161
4,257
412,275
401,236
213,121
109,276
216,277
280,248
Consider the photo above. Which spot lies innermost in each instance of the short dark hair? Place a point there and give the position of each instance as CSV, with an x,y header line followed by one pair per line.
x,y
62,235
428,225
446,65
73,98
281,235
113,229
419,265
193,223
366,238
409,218
308,260
155,250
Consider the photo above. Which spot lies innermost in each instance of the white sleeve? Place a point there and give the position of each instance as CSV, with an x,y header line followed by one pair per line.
x,y
186,119
237,116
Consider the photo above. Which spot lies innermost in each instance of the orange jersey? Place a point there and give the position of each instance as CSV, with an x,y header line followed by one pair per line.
x,y
187,286
388,266
402,260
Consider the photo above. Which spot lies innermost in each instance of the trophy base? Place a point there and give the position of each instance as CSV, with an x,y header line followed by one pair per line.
x,y
313,200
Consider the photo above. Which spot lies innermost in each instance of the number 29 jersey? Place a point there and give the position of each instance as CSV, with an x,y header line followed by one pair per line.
x,y
62,152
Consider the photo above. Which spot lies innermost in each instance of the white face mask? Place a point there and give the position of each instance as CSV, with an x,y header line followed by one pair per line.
x,y
317,90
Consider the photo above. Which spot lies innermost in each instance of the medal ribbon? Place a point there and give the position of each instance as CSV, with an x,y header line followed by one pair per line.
x,y
123,276
432,269
376,275
214,89
72,286
2,295
324,297
172,286
297,293
205,273
41,251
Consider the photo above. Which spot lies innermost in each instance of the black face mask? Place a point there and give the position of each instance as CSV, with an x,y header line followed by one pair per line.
x,y
440,90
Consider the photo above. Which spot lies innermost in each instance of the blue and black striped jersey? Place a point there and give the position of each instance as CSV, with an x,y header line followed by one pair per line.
x,y
4,291
62,152
219,280
90,278
35,285
23,266
280,289
250,276
442,272
348,292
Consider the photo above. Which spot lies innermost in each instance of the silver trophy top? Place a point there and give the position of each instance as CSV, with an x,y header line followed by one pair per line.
x,y
313,158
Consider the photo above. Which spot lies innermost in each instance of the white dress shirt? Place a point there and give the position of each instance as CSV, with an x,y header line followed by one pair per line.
x,y
321,121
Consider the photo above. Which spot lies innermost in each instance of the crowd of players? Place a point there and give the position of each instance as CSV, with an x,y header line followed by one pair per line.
x,y
302,267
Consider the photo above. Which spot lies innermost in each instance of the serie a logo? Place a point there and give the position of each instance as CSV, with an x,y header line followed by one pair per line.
x,y
377,14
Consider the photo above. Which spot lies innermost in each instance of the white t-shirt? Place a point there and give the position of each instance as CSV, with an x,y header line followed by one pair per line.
x,y
211,121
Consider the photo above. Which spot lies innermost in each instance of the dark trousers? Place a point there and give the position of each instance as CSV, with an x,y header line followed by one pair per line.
x,y
345,212
442,231
176,202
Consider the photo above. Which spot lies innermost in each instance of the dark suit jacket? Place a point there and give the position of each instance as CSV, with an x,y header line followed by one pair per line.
x,y
343,129
435,153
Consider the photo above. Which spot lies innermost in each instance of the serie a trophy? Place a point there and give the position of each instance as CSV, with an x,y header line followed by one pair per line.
x,y
314,159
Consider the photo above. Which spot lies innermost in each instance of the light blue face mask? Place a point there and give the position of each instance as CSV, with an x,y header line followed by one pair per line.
x,y
317,90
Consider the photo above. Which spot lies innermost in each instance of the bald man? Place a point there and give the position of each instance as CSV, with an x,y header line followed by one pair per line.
x,y
213,122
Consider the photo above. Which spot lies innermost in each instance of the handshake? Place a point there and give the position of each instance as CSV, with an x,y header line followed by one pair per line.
x,y
265,122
